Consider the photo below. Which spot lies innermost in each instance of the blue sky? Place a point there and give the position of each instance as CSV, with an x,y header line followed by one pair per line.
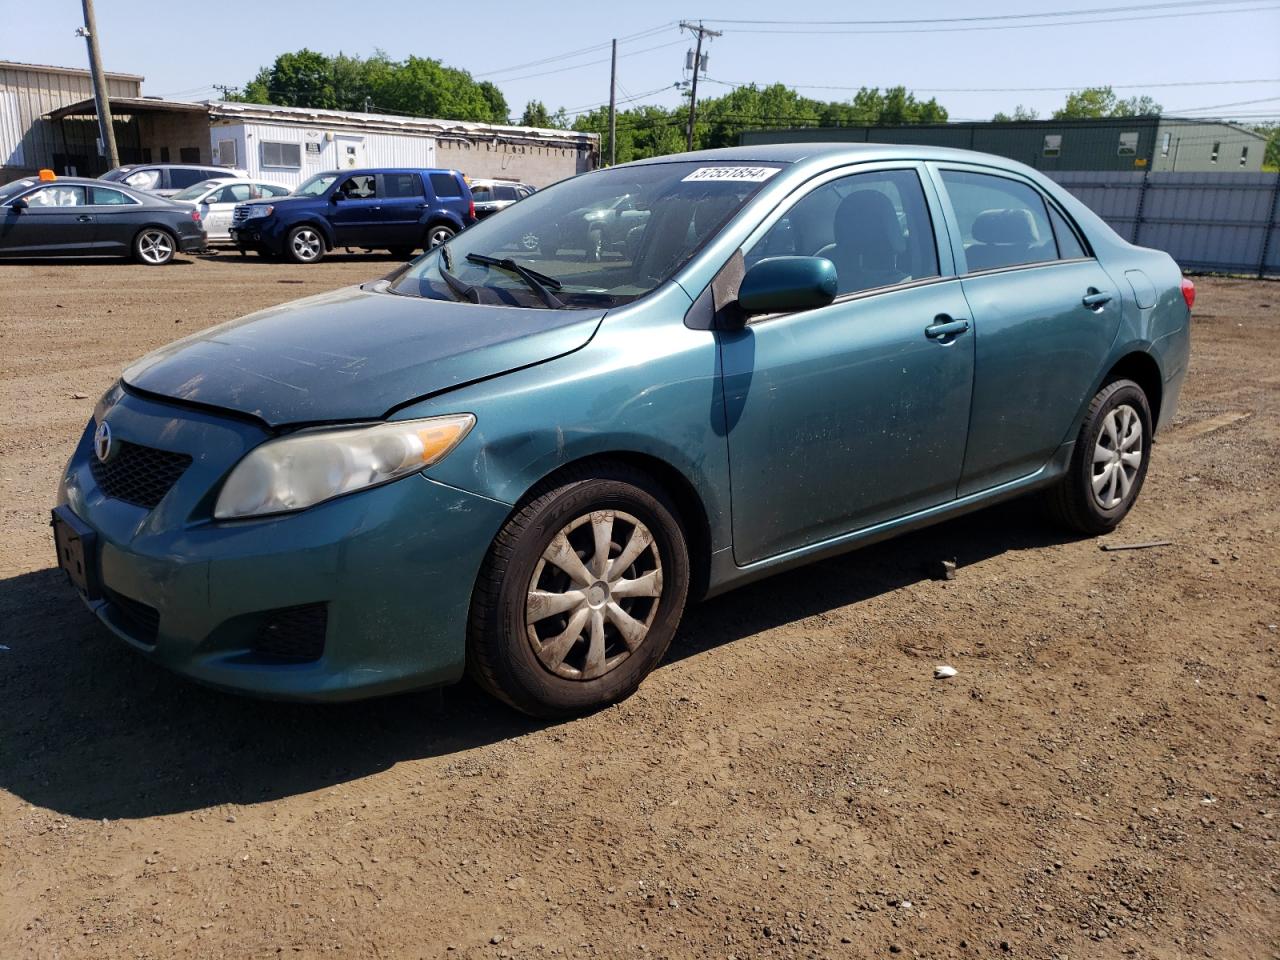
x,y
183,49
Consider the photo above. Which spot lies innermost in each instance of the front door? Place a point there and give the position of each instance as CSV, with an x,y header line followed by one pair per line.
x,y
55,221
842,417
1045,314
356,211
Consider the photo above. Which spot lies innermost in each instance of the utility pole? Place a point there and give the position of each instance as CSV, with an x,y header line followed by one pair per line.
x,y
701,32
613,112
106,131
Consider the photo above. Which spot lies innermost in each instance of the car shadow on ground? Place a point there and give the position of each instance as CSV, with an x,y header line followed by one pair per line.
x,y
89,729
179,260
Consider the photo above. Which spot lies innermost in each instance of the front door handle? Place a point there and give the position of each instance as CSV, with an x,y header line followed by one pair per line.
x,y
1095,298
944,328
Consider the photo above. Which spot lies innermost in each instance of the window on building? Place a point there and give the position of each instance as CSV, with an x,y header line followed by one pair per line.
x,y
1052,144
226,153
189,155
401,185
282,155
1003,223
445,185
1128,145
146,154
1217,147
1164,144
874,227
164,154
1244,156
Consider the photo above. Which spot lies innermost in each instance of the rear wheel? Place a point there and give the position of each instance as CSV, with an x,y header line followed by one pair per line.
x,y
580,594
304,244
439,233
154,247
1109,462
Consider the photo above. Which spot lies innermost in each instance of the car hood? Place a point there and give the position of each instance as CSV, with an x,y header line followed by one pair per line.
x,y
354,354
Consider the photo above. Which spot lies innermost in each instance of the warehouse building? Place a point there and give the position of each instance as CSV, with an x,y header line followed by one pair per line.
x,y
29,140
286,145
1154,143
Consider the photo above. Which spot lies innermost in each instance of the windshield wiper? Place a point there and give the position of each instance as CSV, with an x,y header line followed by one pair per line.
x,y
463,291
539,283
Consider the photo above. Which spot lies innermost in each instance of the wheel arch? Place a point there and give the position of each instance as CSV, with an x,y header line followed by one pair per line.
x,y
1142,368
321,225
693,513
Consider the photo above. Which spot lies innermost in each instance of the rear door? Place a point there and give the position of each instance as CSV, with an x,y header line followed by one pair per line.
x,y
402,208
56,220
449,194
1045,314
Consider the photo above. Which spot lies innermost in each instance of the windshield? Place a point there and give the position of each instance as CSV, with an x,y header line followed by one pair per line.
x,y
14,188
119,173
602,239
316,185
196,190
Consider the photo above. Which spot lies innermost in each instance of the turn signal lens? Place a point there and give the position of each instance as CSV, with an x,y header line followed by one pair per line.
x,y
313,466
1188,292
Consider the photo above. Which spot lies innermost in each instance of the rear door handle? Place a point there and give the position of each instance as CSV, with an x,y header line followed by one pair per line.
x,y
85,218
1095,298
944,328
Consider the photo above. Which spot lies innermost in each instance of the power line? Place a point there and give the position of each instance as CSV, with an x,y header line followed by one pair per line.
x,y
581,51
1063,89
1020,26
592,63
1127,8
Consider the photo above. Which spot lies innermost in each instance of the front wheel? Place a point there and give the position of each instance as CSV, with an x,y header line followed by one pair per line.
x,y
1109,462
304,245
154,247
580,594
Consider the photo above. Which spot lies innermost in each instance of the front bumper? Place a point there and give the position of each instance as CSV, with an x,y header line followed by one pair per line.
x,y
251,235
393,566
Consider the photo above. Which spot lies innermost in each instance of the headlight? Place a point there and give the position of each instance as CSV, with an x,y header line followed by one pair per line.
x,y
299,471
259,210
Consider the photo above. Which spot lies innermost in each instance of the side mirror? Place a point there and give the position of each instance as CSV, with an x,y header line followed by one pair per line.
x,y
787,284
20,204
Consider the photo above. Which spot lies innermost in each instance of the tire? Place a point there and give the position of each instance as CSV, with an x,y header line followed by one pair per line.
x,y
154,247
437,234
549,668
1119,408
305,244
402,253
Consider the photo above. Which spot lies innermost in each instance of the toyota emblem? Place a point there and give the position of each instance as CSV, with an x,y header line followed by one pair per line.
x,y
102,441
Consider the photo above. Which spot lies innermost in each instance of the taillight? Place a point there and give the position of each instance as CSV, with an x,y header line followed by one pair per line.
x,y
1188,292
195,215
472,211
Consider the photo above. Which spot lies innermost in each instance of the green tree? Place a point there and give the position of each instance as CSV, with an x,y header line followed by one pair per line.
x,y
1020,114
1094,102
535,115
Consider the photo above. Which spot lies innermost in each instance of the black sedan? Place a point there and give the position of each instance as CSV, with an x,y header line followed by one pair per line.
x,y
74,216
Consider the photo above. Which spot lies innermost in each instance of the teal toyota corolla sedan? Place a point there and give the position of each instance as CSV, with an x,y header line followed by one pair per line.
x,y
523,454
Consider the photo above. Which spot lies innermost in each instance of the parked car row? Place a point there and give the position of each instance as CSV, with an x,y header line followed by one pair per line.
x,y
402,210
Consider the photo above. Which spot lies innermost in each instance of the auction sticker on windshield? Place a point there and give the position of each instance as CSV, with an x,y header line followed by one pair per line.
x,y
747,174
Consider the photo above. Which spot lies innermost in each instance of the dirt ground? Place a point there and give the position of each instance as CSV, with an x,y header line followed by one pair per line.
x,y
1101,778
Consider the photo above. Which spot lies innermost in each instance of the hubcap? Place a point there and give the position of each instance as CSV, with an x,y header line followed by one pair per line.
x,y
1117,456
306,244
439,236
155,246
593,595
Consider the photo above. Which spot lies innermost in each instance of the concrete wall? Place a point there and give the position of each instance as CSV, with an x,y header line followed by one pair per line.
x,y
29,142
172,132
535,164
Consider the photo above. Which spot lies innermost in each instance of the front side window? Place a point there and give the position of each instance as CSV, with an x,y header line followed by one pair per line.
x,y
15,187
874,227
316,186
603,238
143,179
282,155
362,186
106,197
57,196
233,193
1003,223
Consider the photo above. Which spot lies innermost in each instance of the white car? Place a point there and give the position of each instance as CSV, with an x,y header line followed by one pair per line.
x,y
216,200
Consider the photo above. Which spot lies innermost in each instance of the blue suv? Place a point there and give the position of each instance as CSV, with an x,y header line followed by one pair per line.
x,y
400,210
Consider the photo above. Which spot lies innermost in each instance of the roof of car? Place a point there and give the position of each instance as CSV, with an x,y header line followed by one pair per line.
x,y
852,152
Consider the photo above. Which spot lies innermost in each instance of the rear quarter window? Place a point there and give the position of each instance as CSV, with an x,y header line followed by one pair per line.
x,y
445,185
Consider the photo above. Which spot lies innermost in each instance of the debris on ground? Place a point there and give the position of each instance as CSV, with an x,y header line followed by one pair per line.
x,y
943,672
1110,547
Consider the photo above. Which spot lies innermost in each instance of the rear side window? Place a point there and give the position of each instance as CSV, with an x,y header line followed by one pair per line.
x,y
1069,245
445,185
1003,223
180,178
106,197
401,185
505,193
874,227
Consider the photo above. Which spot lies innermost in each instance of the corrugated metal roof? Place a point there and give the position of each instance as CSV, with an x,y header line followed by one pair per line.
x,y
78,71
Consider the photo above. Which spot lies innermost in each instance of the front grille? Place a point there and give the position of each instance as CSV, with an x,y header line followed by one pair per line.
x,y
239,215
137,474
293,633
141,621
